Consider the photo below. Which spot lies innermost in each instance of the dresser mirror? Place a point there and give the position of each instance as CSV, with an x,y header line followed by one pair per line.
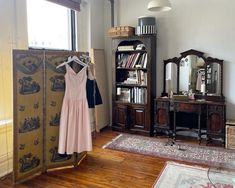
x,y
194,73
197,105
171,76
214,77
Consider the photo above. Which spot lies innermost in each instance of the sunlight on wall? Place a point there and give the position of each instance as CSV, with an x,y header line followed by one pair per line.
x,y
6,143
5,86
13,35
6,139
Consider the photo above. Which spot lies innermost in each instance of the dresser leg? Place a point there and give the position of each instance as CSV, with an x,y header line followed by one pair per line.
x,y
208,140
199,128
174,131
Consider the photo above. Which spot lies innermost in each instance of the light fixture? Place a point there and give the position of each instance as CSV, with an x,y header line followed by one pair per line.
x,y
159,5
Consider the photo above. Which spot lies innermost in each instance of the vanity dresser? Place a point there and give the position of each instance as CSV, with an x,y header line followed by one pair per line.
x,y
192,99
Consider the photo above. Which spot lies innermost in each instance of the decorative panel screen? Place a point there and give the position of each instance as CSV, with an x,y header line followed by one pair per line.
x,y
38,94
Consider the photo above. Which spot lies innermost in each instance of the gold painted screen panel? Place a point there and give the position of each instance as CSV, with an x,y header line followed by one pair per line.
x,y
28,86
38,95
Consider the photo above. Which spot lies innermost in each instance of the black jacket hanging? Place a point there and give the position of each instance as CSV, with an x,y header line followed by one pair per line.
x,y
93,93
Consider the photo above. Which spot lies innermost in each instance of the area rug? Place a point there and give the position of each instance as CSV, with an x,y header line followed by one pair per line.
x,y
177,175
156,147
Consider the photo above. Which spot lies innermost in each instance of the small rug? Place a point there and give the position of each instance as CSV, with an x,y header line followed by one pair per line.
x,y
219,157
177,175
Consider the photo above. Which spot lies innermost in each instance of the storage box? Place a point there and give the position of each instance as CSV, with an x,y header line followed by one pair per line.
x,y
146,26
230,134
121,31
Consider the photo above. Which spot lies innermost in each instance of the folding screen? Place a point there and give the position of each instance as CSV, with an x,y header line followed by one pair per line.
x,y
38,95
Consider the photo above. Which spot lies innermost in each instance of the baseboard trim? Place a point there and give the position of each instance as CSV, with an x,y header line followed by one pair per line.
x,y
6,164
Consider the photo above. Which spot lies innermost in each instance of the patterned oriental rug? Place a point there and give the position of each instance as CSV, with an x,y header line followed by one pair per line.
x,y
212,156
177,175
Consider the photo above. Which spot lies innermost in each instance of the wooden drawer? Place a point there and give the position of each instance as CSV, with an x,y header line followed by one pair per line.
x,y
186,107
161,114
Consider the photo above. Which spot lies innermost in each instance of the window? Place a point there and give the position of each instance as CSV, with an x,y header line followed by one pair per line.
x,y
49,25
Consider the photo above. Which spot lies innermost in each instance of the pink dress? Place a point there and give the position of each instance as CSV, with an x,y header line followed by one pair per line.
x,y
75,131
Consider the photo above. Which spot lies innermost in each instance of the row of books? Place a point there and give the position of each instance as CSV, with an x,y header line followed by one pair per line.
x,y
132,95
136,60
126,48
131,47
136,77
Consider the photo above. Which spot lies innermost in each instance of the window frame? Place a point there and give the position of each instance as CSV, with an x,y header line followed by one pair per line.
x,y
72,31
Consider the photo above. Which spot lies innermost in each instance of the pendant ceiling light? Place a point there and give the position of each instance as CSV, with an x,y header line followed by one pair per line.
x,y
159,5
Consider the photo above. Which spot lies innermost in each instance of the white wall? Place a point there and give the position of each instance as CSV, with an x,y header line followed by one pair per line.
x,y
108,41
206,26
90,21
91,25
97,24
13,34
108,48
83,27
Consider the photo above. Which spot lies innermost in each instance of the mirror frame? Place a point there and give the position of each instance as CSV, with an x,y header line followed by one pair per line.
x,y
172,60
191,52
208,61
211,60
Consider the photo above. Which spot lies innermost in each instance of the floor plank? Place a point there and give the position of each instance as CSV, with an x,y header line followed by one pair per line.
x,y
102,168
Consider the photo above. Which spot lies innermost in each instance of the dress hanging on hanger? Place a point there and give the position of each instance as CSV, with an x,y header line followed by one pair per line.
x,y
75,132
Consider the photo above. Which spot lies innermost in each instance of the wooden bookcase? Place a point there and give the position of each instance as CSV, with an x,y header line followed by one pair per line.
x,y
134,83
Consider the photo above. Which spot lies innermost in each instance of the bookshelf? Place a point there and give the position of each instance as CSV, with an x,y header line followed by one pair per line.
x,y
134,83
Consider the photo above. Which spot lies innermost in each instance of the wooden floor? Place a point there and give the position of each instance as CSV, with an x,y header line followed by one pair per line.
x,y
102,168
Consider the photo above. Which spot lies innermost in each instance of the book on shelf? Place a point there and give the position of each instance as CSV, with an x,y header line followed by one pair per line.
x,y
141,60
124,95
131,47
130,60
136,95
130,81
133,74
140,47
126,48
145,61
132,77
136,60
138,77
121,60
142,77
